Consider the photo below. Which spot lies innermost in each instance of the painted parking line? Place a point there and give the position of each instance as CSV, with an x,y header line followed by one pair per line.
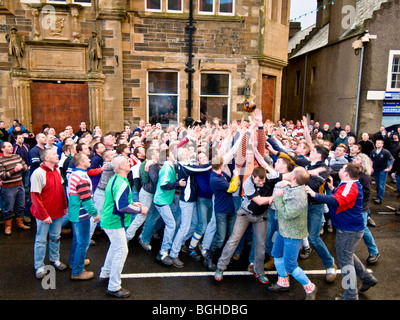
x,y
210,274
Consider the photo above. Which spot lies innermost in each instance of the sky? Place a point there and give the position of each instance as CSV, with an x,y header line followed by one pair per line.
x,y
301,7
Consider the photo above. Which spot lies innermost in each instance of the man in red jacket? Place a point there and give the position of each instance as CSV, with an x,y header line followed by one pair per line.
x,y
49,205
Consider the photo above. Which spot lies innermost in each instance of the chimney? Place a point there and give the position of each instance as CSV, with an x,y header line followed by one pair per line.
x,y
339,20
294,28
323,13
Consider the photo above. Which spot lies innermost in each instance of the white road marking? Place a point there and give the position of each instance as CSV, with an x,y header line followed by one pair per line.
x,y
210,274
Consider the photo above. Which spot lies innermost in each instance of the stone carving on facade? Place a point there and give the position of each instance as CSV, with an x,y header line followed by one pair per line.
x,y
35,25
95,53
76,33
16,48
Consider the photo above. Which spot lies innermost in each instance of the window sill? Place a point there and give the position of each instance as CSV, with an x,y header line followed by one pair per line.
x,y
185,16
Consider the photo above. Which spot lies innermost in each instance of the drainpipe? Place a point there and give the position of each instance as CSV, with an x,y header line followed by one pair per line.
x,y
304,86
359,89
189,66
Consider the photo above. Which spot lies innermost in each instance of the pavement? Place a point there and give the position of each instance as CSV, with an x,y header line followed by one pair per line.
x,y
152,283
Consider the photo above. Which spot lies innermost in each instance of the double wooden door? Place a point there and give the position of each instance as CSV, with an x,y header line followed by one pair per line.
x,y
59,105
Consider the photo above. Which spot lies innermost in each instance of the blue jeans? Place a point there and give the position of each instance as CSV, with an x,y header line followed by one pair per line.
x,y
368,238
314,222
350,264
146,199
380,183
225,223
170,225
79,245
287,248
272,227
151,220
115,258
286,252
13,201
204,213
211,229
187,211
42,230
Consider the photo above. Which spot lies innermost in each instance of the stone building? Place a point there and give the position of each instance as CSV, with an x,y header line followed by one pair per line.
x,y
346,67
159,60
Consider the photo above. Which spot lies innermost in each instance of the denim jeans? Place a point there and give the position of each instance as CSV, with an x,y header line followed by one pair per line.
x,y
286,252
350,264
146,199
272,228
225,223
152,218
380,183
211,229
115,258
187,211
53,230
13,201
243,220
287,248
368,238
98,201
314,222
26,181
169,229
79,245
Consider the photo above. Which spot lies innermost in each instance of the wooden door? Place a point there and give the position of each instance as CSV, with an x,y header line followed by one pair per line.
x,y
268,97
59,105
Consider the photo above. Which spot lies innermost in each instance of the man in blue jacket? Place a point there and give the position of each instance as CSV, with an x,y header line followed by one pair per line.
x,y
345,207
223,187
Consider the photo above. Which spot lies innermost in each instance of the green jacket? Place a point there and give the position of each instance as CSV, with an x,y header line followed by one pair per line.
x,y
166,185
292,210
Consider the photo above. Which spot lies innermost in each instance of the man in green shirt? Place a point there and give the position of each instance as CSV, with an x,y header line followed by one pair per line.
x,y
115,218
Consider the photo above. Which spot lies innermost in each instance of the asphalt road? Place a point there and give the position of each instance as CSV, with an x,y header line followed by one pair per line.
x,y
152,283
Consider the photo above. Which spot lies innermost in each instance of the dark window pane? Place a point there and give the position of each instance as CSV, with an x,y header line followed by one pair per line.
x,y
163,82
214,84
163,109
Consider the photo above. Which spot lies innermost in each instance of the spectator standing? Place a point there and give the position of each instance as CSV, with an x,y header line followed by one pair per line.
x,y
11,168
49,205
382,164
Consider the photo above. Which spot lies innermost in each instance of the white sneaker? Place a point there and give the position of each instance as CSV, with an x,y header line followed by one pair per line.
x,y
40,273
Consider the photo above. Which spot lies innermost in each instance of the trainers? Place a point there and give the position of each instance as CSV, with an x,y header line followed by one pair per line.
x,y
40,273
145,246
312,295
219,275
373,258
209,264
59,265
331,274
85,275
371,222
177,263
366,285
277,288
262,278
378,201
121,293
306,253
193,254
165,259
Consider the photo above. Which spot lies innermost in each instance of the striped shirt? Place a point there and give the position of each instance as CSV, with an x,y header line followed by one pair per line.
x,y
80,204
8,176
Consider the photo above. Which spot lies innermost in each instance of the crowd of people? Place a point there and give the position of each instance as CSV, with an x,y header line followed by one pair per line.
x,y
204,189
